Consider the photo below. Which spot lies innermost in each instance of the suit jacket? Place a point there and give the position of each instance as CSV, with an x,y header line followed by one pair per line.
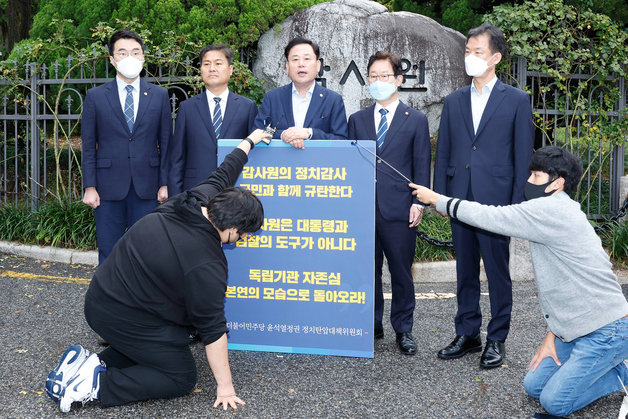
x,y
326,114
193,150
112,156
406,147
493,162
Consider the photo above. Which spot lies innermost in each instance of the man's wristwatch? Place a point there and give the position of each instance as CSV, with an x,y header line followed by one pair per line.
x,y
250,142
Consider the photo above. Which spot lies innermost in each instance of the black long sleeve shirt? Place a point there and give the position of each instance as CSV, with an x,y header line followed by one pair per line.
x,y
170,265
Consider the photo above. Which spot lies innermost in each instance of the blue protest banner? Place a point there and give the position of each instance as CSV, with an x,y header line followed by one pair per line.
x,y
304,283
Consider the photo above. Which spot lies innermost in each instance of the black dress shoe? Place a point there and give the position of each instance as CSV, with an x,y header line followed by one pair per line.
x,y
493,355
461,345
378,333
406,343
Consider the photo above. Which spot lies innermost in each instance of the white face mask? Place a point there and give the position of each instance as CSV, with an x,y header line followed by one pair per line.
x,y
129,67
475,66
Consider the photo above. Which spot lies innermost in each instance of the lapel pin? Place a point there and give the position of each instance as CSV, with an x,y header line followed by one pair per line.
x,y
321,95
407,113
145,93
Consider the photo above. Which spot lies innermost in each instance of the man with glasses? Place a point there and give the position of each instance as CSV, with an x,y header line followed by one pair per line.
x,y
125,131
303,110
403,140
203,119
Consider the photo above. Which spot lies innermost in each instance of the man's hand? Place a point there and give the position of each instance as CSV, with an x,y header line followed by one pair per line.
x,y
416,215
229,399
547,348
295,136
424,194
162,193
91,197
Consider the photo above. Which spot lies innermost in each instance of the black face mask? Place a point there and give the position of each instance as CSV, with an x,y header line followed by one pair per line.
x,y
532,191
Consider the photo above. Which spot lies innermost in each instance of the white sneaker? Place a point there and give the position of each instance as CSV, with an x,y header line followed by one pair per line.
x,y
84,385
70,362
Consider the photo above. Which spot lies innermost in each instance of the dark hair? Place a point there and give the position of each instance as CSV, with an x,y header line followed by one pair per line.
x,y
216,47
298,41
124,34
558,162
236,207
497,40
393,59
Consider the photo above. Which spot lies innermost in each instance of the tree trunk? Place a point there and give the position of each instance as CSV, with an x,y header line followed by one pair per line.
x,y
19,20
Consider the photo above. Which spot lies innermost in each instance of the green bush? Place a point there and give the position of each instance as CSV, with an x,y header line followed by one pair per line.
x,y
54,224
615,239
437,227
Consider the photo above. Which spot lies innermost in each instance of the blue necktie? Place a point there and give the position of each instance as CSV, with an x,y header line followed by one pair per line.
x,y
217,119
382,128
129,113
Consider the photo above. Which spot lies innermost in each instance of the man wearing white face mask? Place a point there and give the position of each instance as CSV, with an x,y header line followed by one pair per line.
x,y
125,129
485,143
403,140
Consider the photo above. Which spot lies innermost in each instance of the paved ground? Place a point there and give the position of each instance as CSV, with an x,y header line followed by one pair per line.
x,y
41,314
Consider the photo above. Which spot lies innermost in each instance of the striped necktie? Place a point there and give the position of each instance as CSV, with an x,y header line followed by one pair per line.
x,y
217,119
129,113
382,129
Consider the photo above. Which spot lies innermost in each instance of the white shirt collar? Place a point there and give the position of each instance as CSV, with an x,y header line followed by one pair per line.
x,y
309,93
488,85
122,84
391,108
223,96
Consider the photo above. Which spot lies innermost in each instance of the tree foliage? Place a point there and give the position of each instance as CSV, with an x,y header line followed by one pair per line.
x,y
578,56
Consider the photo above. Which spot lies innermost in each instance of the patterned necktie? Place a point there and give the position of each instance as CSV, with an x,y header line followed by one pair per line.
x,y
129,113
217,119
382,128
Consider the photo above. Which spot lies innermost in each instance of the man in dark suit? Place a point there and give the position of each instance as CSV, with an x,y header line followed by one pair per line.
x,y
125,130
403,140
203,119
303,110
485,143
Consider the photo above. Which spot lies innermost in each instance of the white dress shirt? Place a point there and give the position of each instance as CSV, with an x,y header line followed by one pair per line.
x,y
212,103
300,105
391,108
135,93
479,101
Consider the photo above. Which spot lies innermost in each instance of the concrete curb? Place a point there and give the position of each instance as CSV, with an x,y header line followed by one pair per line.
x,y
49,253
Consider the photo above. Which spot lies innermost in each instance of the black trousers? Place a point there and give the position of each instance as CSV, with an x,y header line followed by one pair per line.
x,y
145,360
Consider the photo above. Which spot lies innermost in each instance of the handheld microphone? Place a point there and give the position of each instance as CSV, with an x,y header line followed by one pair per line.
x,y
269,129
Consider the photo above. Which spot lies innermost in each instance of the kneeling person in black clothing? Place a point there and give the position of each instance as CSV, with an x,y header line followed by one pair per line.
x,y
167,273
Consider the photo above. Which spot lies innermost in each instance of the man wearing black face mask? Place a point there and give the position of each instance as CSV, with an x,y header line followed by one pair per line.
x,y
581,357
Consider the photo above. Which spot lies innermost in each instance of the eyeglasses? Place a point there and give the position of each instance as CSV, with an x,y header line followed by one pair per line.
x,y
380,77
123,54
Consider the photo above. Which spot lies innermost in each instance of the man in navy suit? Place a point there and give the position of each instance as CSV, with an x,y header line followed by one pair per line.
x,y
125,130
303,110
202,120
403,140
485,143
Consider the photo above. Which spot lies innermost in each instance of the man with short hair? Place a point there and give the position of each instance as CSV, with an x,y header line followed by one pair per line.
x,y
403,140
582,356
485,142
202,120
125,130
303,110
167,273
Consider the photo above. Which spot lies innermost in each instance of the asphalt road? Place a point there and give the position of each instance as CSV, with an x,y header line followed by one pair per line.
x,y
41,314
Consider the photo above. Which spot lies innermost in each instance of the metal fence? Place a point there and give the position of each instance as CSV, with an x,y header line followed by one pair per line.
x,y
563,125
40,121
40,125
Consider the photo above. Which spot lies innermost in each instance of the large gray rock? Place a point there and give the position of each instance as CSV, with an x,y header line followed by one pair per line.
x,y
349,31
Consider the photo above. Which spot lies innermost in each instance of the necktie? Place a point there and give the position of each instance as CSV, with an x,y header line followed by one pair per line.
x,y
129,113
382,128
217,119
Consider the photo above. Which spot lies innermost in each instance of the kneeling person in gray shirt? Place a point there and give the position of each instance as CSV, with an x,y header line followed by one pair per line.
x,y
581,357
